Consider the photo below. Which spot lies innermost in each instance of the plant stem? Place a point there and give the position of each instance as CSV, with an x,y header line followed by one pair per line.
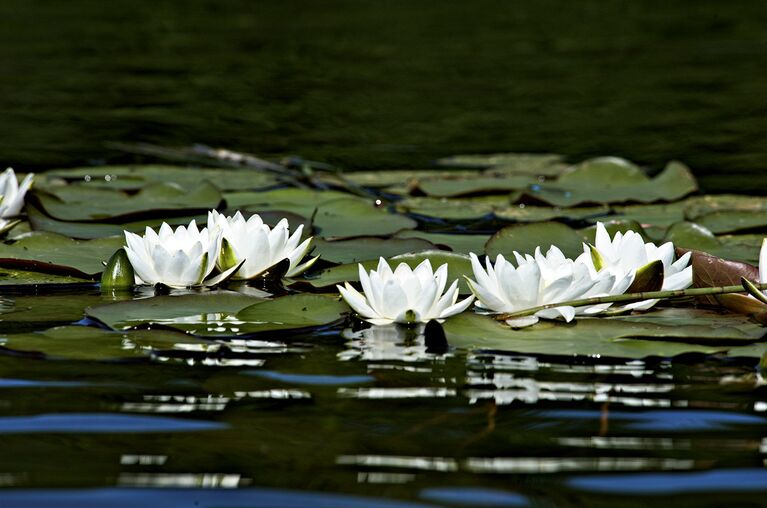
x,y
632,297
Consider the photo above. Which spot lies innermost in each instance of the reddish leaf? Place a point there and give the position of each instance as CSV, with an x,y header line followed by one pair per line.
x,y
710,271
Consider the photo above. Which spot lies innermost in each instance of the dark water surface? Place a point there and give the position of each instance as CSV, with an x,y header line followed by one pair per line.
x,y
389,84
320,420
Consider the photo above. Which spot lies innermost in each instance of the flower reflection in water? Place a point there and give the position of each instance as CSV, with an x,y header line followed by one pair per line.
x,y
390,343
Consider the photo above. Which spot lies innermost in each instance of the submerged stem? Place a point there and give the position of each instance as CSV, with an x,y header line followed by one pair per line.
x,y
635,297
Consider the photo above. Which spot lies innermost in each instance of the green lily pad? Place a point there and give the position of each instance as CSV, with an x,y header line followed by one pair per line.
x,y
218,314
300,201
92,230
614,180
534,164
453,209
690,235
80,203
168,309
86,343
451,187
58,254
380,179
455,242
363,248
293,311
530,213
14,278
662,215
730,221
25,313
673,332
458,266
137,176
698,206
350,217
524,238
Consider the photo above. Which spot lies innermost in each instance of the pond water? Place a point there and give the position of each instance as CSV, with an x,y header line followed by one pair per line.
x,y
335,417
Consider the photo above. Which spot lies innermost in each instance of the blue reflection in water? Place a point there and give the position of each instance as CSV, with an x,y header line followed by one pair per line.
x,y
309,379
665,420
103,423
730,480
472,496
184,498
29,383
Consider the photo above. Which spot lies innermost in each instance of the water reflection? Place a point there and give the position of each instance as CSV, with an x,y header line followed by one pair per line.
x,y
392,343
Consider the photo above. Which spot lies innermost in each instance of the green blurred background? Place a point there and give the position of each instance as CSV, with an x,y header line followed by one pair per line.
x,y
389,83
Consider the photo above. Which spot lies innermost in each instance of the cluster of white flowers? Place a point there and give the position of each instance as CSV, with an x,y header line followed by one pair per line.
x,y
405,295
187,256
12,196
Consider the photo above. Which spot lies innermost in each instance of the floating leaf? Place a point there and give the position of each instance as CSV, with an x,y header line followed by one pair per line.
x,y
689,235
58,254
296,200
25,313
78,203
451,187
363,248
530,213
138,176
350,217
614,180
455,242
674,331
218,314
534,164
172,310
293,311
86,343
453,209
524,238
386,178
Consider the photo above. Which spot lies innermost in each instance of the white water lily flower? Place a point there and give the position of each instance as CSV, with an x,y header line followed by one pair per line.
x,y
180,258
12,194
538,280
260,246
626,253
404,295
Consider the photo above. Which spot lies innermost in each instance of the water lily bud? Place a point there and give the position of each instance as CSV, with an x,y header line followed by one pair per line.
x,y
118,273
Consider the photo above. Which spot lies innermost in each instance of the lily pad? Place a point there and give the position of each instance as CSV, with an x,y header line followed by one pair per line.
x,y
530,213
137,176
458,266
300,201
350,217
79,203
524,238
170,309
363,248
87,343
729,221
293,311
451,187
690,235
673,332
453,209
218,314
92,230
535,164
58,254
12,278
614,180
455,242
25,313
386,178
